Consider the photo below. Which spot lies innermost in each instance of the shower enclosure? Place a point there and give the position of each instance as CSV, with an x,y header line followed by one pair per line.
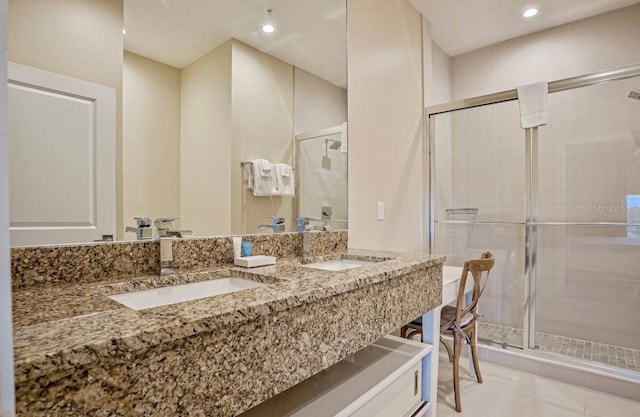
x,y
321,176
558,205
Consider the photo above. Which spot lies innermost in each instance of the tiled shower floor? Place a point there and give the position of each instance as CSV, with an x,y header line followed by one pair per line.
x,y
598,352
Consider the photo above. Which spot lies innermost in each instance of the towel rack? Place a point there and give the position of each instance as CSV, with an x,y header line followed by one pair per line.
x,y
245,163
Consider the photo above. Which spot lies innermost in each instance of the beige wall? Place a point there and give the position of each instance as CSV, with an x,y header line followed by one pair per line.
x,y
205,148
318,104
77,38
262,114
439,91
151,139
238,105
602,42
386,143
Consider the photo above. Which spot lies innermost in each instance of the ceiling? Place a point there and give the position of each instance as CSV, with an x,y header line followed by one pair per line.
x,y
310,34
460,26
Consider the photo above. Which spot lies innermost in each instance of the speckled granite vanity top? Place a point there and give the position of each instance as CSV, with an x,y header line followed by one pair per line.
x,y
65,325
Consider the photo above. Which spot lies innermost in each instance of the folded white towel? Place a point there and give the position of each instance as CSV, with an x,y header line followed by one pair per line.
x,y
264,178
264,167
285,180
534,104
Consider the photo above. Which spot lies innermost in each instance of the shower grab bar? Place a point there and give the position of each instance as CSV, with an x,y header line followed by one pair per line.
x,y
463,210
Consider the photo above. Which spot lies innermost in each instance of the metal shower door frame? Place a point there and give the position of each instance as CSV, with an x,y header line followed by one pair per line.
x,y
531,176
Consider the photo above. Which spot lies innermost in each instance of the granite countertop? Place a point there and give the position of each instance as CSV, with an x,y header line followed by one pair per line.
x,y
67,325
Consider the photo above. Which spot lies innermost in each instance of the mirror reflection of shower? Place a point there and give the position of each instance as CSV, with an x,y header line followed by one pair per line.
x,y
333,144
321,176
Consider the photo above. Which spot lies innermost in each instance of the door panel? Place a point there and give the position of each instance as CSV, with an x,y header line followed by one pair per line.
x,y
61,158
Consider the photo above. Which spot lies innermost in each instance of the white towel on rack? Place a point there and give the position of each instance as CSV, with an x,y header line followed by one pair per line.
x,y
534,104
285,180
264,178
247,170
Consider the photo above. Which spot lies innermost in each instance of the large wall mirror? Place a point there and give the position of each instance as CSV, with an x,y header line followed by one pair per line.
x,y
194,93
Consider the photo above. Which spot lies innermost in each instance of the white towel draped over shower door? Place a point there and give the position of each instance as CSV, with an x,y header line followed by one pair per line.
x,y
264,178
534,104
285,180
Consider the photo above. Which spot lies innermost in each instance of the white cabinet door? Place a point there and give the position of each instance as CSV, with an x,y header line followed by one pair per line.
x,y
61,134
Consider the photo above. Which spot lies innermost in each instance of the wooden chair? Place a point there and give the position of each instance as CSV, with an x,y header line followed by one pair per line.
x,y
461,319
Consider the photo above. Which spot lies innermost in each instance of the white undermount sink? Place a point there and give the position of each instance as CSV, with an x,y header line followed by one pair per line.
x,y
141,300
338,264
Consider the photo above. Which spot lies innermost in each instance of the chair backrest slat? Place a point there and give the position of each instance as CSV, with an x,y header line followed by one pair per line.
x,y
477,267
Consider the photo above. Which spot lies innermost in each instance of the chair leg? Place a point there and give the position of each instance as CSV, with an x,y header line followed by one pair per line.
x,y
457,348
448,348
403,332
413,332
474,354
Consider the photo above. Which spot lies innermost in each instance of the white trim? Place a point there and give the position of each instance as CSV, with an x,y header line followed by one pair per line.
x,y
7,396
424,349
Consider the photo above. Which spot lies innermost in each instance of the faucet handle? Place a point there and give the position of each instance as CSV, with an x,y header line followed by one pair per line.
x,y
142,221
302,222
164,222
276,219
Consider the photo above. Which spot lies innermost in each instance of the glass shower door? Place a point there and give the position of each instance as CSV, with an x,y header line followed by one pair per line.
x,y
321,171
588,290
478,204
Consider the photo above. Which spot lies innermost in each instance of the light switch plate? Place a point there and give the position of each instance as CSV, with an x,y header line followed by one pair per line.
x,y
380,210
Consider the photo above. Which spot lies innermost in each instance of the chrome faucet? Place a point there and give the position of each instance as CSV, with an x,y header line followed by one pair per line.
x,y
304,223
166,236
143,229
277,224
303,227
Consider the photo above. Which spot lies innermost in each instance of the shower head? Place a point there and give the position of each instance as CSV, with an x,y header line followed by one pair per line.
x,y
634,94
335,144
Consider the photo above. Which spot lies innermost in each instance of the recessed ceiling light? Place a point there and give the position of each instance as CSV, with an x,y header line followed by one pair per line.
x,y
268,28
124,31
530,12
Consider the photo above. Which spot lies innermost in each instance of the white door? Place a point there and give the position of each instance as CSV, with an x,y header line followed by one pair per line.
x,y
61,134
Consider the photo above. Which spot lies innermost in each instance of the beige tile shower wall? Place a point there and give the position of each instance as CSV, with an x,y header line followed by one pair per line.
x,y
589,154
205,147
386,161
262,127
318,104
322,175
151,140
77,38
602,42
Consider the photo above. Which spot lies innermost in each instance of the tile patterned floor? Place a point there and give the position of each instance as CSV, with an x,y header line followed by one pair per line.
x,y
506,393
598,352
